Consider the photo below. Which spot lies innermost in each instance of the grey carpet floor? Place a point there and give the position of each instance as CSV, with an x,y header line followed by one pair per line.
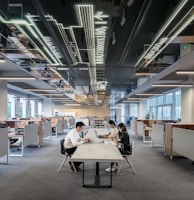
x,y
35,176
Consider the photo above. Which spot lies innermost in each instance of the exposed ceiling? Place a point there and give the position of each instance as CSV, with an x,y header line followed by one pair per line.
x,y
85,49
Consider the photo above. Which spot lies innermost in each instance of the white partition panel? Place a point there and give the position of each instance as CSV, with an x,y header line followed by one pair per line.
x,y
183,142
4,142
158,134
65,124
140,129
30,134
84,120
59,126
47,129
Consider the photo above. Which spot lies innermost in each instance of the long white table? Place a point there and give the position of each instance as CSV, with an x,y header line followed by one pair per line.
x,y
97,152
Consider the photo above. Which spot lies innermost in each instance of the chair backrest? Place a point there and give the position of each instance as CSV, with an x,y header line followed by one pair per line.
x,y
63,150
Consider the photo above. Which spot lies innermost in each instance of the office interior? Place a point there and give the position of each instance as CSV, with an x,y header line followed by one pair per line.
x,y
130,61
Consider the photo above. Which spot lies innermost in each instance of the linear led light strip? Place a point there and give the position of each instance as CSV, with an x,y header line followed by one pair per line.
x,y
172,85
87,20
62,29
185,72
18,24
40,90
30,18
177,10
35,35
148,94
132,101
189,20
17,78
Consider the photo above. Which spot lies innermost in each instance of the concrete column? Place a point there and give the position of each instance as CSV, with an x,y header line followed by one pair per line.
x,y
3,100
28,108
187,105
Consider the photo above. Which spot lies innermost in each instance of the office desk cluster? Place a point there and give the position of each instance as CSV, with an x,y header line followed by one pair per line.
x,y
97,151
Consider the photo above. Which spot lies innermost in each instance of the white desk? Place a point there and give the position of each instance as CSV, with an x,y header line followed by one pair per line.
x,y
98,153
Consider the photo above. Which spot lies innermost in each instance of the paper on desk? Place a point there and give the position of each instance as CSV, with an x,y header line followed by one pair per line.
x,y
109,142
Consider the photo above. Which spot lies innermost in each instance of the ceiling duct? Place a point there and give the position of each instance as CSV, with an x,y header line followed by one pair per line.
x,y
87,17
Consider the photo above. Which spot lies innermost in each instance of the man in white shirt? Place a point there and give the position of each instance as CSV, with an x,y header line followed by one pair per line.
x,y
73,139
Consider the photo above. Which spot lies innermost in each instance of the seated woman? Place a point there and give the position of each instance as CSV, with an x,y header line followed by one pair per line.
x,y
113,131
124,139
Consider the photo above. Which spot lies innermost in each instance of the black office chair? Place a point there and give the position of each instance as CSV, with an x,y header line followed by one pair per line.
x,y
15,144
64,152
126,154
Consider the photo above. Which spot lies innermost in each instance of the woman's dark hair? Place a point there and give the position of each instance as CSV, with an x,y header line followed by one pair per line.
x,y
122,126
112,122
124,130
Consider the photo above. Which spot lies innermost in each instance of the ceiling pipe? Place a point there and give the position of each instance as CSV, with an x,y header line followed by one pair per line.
x,y
41,13
87,17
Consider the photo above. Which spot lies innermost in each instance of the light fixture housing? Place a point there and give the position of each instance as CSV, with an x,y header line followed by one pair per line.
x,y
172,85
2,60
149,94
17,78
185,72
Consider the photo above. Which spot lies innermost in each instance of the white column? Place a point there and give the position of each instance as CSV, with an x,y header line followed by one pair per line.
x,y
187,105
3,100
48,108
18,107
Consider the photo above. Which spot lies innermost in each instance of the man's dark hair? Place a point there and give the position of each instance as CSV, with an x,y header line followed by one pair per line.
x,y
79,124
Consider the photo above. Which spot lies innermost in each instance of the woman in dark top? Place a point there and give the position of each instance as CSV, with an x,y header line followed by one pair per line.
x,y
124,143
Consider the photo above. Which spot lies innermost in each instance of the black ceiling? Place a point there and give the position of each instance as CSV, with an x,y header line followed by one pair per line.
x,y
142,20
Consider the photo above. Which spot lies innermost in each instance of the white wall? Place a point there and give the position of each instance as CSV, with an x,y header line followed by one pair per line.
x,y
142,109
3,100
187,105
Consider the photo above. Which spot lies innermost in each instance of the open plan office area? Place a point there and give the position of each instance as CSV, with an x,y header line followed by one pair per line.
x,y
96,99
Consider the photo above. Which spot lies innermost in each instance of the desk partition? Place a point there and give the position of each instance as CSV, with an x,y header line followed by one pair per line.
x,y
4,142
158,136
47,129
183,142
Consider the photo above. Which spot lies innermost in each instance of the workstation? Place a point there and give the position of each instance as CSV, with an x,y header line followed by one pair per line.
x,y
130,61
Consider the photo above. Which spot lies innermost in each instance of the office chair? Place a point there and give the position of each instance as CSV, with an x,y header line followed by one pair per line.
x,y
15,144
126,155
64,152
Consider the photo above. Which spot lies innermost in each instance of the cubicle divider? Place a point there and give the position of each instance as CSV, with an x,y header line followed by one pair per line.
x,y
183,142
47,129
4,143
158,135
31,135
58,128
140,129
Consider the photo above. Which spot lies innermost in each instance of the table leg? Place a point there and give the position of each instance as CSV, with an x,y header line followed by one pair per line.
x,y
97,179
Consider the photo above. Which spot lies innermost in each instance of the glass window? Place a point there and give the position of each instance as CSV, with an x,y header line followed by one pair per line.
x,y
160,100
167,112
169,98
160,113
9,109
21,109
133,110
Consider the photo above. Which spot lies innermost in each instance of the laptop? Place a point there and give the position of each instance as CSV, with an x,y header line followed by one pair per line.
x,y
96,133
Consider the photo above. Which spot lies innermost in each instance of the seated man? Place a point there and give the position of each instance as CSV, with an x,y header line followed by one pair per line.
x,y
73,139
